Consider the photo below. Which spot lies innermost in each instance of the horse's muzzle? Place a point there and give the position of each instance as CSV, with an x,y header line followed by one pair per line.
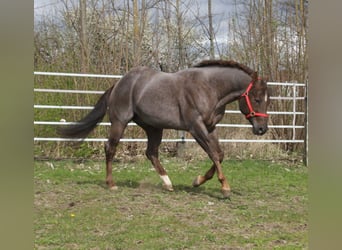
x,y
260,130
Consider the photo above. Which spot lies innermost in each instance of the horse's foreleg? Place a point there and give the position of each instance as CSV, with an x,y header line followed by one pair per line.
x,y
154,139
115,133
209,142
225,188
199,180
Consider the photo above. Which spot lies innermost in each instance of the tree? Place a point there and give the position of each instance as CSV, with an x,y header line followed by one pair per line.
x,y
211,32
83,36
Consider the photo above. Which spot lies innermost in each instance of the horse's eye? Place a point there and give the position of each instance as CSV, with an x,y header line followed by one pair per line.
x,y
257,100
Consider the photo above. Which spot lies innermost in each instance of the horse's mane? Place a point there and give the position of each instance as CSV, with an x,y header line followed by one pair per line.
x,y
222,63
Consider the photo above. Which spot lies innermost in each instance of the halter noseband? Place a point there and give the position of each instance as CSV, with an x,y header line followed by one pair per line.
x,y
252,113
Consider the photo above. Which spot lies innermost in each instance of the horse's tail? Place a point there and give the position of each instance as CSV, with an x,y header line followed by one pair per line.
x,y
89,122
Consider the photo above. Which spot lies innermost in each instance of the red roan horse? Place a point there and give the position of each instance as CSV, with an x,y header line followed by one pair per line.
x,y
193,100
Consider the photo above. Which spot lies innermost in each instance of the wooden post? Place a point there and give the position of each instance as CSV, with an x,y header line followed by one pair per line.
x,y
181,63
181,145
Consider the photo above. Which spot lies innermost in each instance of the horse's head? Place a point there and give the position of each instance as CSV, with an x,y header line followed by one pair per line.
x,y
253,104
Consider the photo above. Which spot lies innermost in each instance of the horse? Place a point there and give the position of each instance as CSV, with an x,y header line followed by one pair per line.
x,y
192,100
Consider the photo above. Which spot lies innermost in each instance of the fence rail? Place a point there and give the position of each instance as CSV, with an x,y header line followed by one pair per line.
x,y
163,140
294,98
134,124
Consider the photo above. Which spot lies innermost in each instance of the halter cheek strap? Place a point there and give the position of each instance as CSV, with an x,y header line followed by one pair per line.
x,y
252,113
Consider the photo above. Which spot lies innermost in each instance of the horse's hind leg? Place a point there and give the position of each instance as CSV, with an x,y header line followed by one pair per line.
x,y
115,134
154,136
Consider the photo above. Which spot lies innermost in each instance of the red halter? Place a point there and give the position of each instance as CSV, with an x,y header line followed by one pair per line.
x,y
252,113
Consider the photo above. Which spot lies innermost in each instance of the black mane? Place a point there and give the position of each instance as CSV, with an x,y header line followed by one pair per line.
x,y
222,63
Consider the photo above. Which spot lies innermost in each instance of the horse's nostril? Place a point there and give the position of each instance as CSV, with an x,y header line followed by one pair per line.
x,y
262,130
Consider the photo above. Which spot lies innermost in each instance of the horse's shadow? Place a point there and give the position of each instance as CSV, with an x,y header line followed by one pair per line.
x,y
178,188
204,191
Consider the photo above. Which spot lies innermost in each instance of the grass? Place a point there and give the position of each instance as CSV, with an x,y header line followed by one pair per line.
x,y
74,210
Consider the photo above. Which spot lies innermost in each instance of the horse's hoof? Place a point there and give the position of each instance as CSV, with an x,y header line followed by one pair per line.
x,y
168,188
197,181
113,188
226,193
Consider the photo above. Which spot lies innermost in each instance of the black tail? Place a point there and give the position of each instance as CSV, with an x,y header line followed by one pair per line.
x,y
89,122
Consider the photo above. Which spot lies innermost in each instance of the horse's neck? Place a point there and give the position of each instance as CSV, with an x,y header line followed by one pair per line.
x,y
232,84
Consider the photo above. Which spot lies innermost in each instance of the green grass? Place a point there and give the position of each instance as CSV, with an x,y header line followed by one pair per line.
x,y
74,210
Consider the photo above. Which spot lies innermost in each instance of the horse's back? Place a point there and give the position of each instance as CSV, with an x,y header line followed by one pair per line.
x,y
142,92
156,99
159,99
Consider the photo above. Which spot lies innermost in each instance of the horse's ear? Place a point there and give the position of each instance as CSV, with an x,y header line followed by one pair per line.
x,y
255,76
266,78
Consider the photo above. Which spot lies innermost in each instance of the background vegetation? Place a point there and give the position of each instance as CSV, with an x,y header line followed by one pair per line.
x,y
112,36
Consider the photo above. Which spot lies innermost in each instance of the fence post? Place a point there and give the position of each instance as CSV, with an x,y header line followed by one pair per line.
x,y
294,89
305,158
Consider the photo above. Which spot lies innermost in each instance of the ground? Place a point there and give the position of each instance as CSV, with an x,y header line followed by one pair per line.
x,y
73,209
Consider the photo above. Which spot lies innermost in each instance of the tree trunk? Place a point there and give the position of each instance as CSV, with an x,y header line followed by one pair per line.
x,y
83,36
136,34
211,32
181,61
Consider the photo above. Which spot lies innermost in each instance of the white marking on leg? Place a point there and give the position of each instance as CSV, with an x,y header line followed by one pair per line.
x,y
166,180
